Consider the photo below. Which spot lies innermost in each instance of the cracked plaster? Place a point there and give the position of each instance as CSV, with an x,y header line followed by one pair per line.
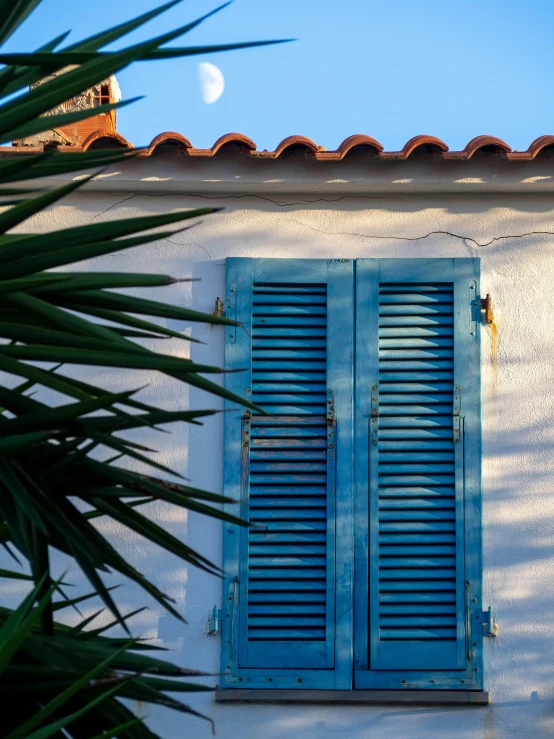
x,y
518,432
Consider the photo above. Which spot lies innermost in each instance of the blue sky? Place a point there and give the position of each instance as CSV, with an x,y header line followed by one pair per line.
x,y
391,69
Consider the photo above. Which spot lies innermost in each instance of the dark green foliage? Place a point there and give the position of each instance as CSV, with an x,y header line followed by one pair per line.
x,y
52,486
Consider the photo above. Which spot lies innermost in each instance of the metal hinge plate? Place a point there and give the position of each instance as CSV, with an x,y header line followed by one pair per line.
x,y
486,307
490,627
212,625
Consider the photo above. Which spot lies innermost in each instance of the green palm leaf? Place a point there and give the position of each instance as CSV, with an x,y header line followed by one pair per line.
x,y
55,480
12,14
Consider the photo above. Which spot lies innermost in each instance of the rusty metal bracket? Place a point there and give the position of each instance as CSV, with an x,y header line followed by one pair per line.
x,y
219,308
486,307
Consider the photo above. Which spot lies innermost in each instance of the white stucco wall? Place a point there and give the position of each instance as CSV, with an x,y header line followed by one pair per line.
x,y
518,429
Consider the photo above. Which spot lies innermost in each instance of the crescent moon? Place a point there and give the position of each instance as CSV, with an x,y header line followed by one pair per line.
x,y
212,82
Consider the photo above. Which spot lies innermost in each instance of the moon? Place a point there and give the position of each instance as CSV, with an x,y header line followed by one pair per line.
x,y
212,82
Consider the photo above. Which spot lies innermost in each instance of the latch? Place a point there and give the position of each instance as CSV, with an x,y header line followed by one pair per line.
x,y
374,421
246,423
490,627
456,414
331,416
212,625
331,422
486,307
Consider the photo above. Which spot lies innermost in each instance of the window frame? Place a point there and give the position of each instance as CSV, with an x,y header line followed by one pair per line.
x,y
345,678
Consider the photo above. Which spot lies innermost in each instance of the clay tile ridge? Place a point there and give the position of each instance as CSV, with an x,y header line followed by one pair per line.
x,y
486,143
103,135
413,144
363,143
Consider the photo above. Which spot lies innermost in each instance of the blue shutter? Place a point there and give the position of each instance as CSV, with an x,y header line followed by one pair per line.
x,y
287,623
418,547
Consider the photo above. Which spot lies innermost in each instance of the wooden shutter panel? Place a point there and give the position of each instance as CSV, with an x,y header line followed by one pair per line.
x,y
282,601
418,548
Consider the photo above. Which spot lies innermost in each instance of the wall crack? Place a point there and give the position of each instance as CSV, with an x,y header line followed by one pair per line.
x,y
427,235
258,197
416,239
111,207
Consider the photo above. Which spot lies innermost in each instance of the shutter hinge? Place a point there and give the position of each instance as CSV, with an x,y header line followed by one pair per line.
x,y
212,625
486,307
456,414
490,627
219,310
374,422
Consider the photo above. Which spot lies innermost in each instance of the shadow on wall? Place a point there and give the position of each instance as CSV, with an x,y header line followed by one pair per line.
x,y
518,463
518,508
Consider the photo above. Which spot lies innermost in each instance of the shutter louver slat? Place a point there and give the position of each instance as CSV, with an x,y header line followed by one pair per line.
x,y
286,622
288,465
418,560
413,558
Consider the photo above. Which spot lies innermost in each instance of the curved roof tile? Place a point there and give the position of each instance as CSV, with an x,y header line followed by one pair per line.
x,y
295,141
479,142
248,147
534,149
246,144
358,139
413,144
103,134
169,137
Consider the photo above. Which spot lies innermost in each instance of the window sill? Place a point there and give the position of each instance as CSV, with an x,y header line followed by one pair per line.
x,y
358,697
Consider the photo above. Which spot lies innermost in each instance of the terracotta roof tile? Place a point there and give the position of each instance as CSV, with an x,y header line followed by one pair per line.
x,y
170,137
103,135
295,141
535,148
358,139
479,142
413,144
488,144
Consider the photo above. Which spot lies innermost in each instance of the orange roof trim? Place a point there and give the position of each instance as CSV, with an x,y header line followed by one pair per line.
x,y
490,144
